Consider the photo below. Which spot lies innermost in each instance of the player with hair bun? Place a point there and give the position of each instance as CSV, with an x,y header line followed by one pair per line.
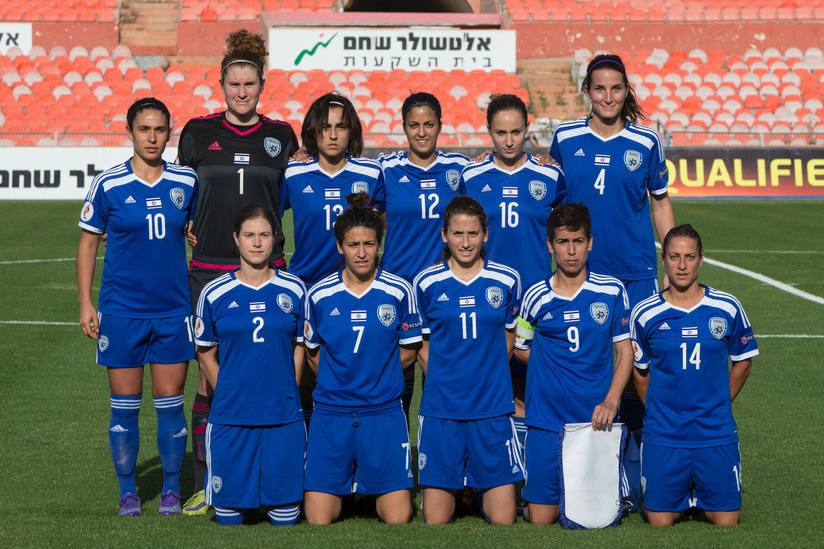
x,y
616,168
468,308
240,157
143,205
362,327
694,347
248,324
417,185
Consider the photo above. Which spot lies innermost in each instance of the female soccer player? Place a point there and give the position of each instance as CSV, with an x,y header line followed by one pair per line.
x,y
143,205
613,165
416,187
468,308
576,318
684,341
248,324
518,195
240,157
362,327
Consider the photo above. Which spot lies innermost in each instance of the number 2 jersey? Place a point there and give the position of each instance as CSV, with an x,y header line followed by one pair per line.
x,y
570,362
467,373
237,165
613,178
687,353
144,269
316,198
254,330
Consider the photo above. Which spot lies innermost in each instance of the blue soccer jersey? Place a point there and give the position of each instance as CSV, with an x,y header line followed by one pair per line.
x,y
517,205
613,177
414,200
467,373
570,362
145,274
316,198
359,337
687,353
254,329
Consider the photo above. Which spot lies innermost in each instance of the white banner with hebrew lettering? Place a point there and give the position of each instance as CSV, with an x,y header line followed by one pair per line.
x,y
381,49
15,35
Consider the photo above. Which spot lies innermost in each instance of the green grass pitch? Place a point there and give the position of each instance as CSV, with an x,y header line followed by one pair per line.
x,y
58,486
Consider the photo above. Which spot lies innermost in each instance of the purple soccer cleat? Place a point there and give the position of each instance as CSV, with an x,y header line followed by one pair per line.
x,y
169,503
129,506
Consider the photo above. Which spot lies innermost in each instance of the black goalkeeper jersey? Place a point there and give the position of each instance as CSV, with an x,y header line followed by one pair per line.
x,y
237,165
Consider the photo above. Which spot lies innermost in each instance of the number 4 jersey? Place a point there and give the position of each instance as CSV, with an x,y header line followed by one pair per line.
x,y
687,353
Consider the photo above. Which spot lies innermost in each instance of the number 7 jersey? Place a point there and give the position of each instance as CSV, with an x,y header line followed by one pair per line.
x,y
687,353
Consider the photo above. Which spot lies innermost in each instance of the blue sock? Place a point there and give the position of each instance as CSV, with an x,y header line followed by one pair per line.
x,y
284,515
171,439
124,439
228,517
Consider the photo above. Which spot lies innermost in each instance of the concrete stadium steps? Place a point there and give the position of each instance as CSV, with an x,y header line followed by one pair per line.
x,y
552,90
150,27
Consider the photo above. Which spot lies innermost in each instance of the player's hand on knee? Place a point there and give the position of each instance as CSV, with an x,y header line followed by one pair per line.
x,y
88,321
603,415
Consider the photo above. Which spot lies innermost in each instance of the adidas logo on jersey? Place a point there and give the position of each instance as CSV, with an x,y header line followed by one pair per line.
x,y
215,146
335,312
486,189
180,434
579,152
443,297
233,305
129,200
119,429
308,189
548,316
664,326
403,179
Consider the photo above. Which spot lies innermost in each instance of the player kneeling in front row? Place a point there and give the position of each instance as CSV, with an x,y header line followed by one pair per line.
x,y
362,327
684,339
248,324
568,327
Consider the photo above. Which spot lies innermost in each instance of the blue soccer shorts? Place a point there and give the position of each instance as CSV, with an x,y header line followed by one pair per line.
x,y
639,290
667,474
131,342
480,454
364,451
254,466
542,463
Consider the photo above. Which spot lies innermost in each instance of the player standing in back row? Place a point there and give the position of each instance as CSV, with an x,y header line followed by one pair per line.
x,y
240,157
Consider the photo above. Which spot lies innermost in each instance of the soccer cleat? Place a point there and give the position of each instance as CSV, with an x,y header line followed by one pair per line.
x,y
169,503
196,505
129,506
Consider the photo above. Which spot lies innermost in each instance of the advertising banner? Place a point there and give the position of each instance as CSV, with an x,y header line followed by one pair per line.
x,y
15,35
380,49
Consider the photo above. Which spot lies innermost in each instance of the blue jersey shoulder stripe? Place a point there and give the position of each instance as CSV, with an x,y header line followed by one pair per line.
x,y
718,294
291,282
395,279
210,287
112,173
181,170
329,280
644,305
476,168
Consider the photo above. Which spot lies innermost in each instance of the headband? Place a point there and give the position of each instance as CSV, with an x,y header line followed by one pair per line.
x,y
338,103
607,61
242,61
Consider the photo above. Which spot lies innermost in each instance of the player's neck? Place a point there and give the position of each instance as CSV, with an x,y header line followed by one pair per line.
x,y
422,161
332,164
357,283
148,172
254,275
684,297
247,120
565,285
509,164
606,128
465,272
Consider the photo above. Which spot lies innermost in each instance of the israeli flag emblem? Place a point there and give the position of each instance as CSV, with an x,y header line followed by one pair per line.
x,y
178,197
494,296
537,189
632,160
599,312
285,303
718,327
272,146
386,314
360,187
452,179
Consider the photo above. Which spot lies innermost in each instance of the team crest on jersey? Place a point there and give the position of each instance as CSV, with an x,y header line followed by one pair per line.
x,y
421,461
217,484
360,187
87,212
599,312
537,189
285,303
632,160
494,296
272,146
718,327
102,343
386,314
199,326
178,197
452,179
307,330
